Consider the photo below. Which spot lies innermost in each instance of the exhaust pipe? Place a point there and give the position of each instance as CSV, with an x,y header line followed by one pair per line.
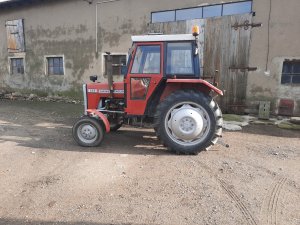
x,y
109,74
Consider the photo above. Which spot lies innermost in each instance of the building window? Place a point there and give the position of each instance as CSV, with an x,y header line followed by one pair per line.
x,y
212,11
189,14
55,65
200,12
17,66
15,36
237,8
163,16
291,72
118,60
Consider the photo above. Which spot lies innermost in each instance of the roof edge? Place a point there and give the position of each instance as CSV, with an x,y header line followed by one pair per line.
x,y
172,37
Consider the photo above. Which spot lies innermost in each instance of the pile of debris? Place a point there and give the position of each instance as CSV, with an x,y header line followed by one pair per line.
x,y
33,97
237,122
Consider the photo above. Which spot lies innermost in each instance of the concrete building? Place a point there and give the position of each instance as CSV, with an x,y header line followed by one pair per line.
x,y
54,46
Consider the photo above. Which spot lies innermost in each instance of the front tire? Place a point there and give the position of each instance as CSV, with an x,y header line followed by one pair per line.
x,y
88,132
188,122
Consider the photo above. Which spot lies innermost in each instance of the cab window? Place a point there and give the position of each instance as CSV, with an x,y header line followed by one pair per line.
x,y
180,59
146,60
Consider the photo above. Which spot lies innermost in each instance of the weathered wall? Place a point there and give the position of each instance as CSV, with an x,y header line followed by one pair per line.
x,y
283,43
54,28
68,28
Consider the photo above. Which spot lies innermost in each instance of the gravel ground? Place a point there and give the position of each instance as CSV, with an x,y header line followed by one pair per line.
x,y
46,178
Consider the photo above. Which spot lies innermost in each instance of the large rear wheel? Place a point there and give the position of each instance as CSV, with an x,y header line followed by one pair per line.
x,y
188,122
88,132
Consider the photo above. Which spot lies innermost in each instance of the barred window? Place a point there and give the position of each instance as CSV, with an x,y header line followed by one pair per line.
x,y
291,72
17,66
55,66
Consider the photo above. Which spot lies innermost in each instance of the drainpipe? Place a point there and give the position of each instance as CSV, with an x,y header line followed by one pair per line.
x,y
99,3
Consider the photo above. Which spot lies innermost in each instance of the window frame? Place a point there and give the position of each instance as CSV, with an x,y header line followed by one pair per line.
x,y
289,74
112,54
147,88
192,8
195,62
220,6
46,63
203,7
10,58
238,2
163,11
159,44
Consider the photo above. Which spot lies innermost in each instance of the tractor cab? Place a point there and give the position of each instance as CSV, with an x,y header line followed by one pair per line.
x,y
153,60
162,84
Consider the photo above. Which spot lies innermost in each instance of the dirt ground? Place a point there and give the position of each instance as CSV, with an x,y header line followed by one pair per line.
x,y
46,178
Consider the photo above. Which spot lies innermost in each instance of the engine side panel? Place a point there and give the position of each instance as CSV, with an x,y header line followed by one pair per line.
x,y
97,91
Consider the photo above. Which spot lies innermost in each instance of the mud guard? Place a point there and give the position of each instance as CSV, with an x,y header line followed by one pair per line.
x,y
195,81
101,117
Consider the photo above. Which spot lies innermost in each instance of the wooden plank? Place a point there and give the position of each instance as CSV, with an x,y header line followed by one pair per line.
x,y
239,57
224,78
15,36
212,47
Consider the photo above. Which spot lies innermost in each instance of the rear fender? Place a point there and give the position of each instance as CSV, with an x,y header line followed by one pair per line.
x,y
102,117
198,84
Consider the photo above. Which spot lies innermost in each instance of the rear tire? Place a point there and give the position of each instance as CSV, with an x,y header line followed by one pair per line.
x,y
88,132
188,122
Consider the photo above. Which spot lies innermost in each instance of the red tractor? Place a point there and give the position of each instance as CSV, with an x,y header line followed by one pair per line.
x,y
162,85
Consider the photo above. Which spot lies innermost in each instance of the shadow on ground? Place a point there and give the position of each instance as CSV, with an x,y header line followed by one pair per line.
x,y
48,126
60,138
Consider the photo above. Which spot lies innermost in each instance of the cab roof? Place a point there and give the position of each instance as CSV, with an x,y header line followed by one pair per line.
x,y
153,38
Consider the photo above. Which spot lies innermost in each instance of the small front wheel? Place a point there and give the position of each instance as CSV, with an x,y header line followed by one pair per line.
x,y
88,132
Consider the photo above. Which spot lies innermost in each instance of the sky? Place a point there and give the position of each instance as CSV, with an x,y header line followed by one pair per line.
x,y
4,0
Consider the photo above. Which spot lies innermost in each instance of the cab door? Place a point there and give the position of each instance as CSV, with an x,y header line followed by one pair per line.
x,y
144,74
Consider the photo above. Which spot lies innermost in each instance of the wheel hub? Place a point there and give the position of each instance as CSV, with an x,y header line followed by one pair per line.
x,y
88,132
186,123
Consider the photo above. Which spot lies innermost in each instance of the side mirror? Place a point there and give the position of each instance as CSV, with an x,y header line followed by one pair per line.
x,y
94,78
123,70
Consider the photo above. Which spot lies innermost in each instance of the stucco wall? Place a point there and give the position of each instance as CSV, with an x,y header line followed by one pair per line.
x,y
68,28
51,29
284,30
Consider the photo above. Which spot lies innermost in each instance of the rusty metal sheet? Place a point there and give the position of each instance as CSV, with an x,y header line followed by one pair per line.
x,y
15,36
